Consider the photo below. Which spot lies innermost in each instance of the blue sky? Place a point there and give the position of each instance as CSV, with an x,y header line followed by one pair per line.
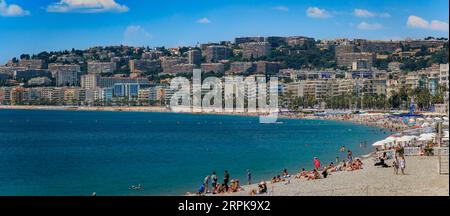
x,y
29,26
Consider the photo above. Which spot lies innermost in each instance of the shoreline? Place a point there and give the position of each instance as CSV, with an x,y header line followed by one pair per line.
x,y
295,186
162,109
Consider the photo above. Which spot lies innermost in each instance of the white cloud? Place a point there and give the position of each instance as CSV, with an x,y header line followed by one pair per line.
x,y
86,6
439,25
135,35
365,13
369,26
281,8
12,10
315,12
419,22
204,20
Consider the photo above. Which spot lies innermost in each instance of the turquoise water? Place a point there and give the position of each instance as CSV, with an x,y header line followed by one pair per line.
x,y
78,152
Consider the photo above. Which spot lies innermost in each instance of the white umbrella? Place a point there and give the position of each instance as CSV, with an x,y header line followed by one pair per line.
x,y
390,141
379,143
427,137
409,139
445,118
384,142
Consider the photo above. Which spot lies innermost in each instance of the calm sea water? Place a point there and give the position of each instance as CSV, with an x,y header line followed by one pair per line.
x,y
78,152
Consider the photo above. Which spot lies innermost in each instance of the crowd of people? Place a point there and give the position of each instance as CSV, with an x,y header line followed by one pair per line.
x,y
350,164
228,185
398,160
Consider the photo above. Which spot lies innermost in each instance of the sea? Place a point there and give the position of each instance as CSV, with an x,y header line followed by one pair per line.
x,y
77,153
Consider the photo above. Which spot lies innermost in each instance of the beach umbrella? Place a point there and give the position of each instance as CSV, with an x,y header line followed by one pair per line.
x,y
426,124
437,119
390,141
445,118
379,143
407,139
445,134
427,137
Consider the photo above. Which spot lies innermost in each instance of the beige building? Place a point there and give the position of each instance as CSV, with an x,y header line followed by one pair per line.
x,y
443,75
101,67
89,81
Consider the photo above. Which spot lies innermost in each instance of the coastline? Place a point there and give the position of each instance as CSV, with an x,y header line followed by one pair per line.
x,y
87,108
162,109
295,187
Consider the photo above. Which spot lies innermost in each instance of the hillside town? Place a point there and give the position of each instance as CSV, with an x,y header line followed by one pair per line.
x,y
313,74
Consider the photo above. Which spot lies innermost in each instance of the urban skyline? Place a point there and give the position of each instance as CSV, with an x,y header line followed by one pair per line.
x,y
68,24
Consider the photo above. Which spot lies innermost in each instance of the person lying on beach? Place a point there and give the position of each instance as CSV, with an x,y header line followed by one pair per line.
x,y
262,188
277,179
302,174
314,175
357,164
331,167
221,189
233,186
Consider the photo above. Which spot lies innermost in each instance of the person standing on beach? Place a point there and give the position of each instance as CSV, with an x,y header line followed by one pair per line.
x,y
316,163
226,178
395,165
402,164
249,177
206,183
213,180
349,156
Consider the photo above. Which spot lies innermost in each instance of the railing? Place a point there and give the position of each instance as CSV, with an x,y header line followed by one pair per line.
x,y
415,151
412,151
443,156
